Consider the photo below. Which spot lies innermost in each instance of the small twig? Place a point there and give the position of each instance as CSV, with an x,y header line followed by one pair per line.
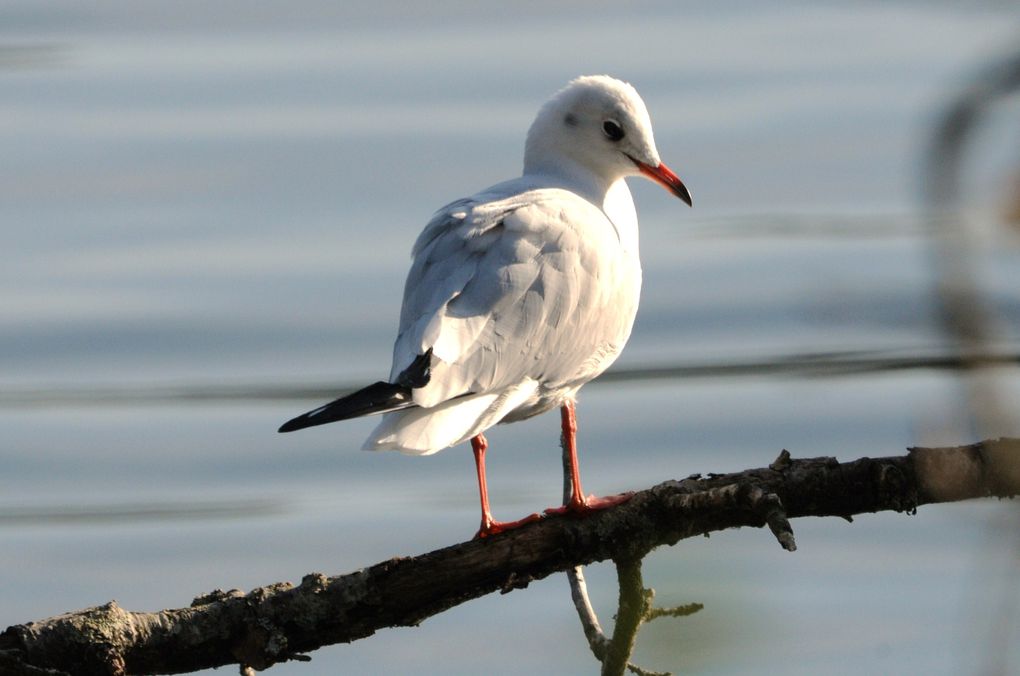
x,y
675,611
634,669
771,509
597,640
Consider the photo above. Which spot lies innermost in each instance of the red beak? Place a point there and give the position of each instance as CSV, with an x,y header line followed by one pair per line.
x,y
664,176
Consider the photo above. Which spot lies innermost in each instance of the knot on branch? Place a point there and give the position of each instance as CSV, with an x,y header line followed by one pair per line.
x,y
782,461
316,583
216,596
263,643
896,489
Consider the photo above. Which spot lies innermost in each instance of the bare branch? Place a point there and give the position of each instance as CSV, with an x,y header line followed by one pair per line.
x,y
281,622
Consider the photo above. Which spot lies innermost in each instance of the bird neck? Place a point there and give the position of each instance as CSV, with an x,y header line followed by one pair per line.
x,y
564,172
612,196
618,205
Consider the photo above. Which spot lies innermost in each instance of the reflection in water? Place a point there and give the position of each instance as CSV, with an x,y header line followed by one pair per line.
x,y
19,56
18,515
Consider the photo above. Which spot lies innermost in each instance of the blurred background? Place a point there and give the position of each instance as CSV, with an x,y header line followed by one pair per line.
x,y
206,213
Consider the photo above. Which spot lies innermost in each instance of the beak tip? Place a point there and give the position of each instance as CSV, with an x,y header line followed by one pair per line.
x,y
664,175
681,191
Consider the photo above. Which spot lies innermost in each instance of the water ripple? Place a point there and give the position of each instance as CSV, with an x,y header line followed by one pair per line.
x,y
824,364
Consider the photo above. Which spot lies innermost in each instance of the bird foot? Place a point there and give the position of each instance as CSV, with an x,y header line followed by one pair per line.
x,y
492,527
590,504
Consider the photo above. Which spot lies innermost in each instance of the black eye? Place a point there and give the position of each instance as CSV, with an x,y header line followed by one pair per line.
x,y
612,130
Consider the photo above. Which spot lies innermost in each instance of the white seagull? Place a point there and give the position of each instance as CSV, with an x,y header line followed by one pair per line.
x,y
522,293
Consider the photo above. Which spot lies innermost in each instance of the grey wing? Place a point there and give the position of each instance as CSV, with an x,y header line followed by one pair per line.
x,y
529,287
445,260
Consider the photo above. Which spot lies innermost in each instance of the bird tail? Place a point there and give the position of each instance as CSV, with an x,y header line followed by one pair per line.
x,y
379,397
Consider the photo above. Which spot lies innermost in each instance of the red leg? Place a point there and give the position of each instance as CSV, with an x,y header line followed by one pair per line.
x,y
489,525
579,503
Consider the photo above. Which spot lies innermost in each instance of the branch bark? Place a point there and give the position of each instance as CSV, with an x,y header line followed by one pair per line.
x,y
281,622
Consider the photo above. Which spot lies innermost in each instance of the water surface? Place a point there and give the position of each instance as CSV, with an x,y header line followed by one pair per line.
x,y
202,204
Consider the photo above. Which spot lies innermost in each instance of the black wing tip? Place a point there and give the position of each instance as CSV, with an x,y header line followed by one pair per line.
x,y
304,420
380,397
310,419
291,425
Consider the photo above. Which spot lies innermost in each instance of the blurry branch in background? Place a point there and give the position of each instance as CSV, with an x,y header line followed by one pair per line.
x,y
965,315
282,622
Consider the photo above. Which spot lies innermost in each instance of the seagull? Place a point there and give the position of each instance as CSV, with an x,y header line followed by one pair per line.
x,y
522,293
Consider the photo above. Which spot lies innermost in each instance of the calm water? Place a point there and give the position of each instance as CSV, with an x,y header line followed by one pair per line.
x,y
200,201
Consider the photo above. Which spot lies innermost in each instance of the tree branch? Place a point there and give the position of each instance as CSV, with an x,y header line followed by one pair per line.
x,y
280,622
635,601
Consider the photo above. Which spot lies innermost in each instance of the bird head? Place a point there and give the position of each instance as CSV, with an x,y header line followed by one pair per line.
x,y
598,124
